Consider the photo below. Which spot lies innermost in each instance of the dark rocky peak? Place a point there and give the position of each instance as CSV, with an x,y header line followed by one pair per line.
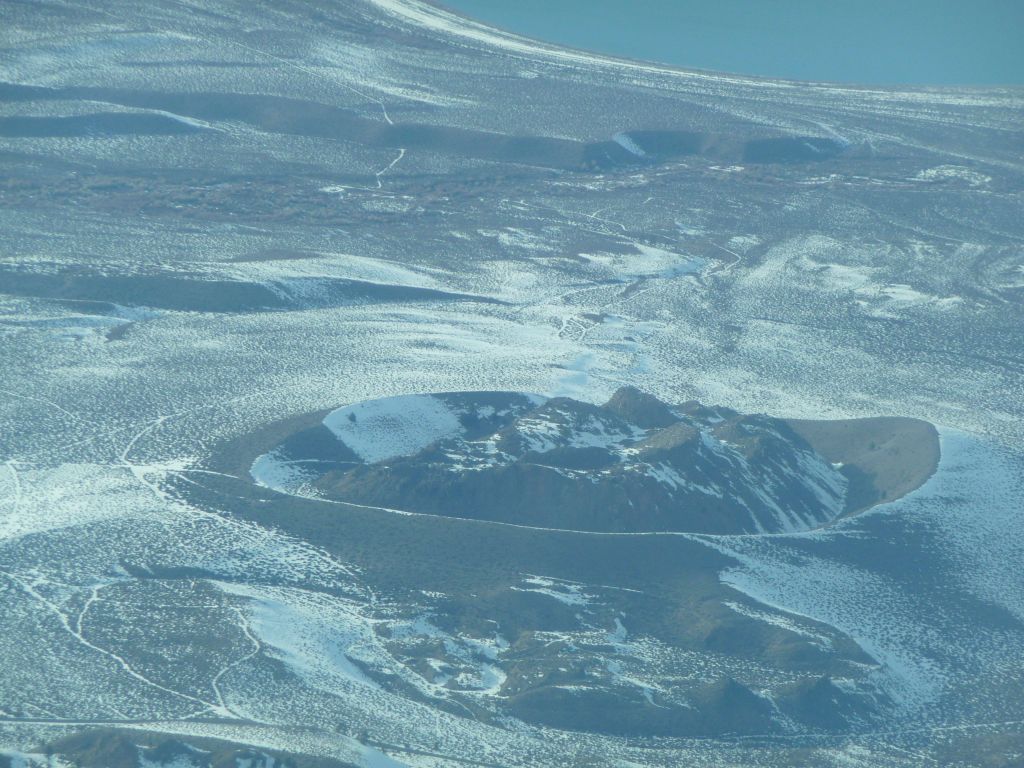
x,y
754,435
640,408
482,414
729,706
706,414
665,443
820,703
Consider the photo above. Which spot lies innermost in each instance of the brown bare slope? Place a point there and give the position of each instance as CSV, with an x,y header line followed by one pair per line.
x,y
884,458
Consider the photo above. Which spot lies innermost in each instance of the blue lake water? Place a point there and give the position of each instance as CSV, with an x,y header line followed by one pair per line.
x,y
937,42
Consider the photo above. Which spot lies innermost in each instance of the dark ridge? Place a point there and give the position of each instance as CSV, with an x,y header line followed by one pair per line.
x,y
160,292
640,408
278,114
721,708
132,63
19,92
183,293
92,307
797,149
572,458
96,124
655,468
822,705
116,748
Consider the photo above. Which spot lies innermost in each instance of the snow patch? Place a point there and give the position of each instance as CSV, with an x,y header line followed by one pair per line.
x,y
566,592
272,471
627,143
954,172
378,430
310,633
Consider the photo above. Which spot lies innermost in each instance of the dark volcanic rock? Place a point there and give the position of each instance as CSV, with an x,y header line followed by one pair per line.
x,y
633,464
114,748
722,708
823,705
630,465
644,410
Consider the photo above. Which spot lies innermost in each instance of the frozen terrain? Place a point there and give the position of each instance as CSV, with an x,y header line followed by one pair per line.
x,y
633,464
222,221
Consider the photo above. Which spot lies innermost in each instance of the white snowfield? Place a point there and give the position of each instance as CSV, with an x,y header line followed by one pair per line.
x,y
399,426
314,636
905,628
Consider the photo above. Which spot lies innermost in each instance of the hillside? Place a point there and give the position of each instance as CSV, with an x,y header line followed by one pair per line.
x,y
632,464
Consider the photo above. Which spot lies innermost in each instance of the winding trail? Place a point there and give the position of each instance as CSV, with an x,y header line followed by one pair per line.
x,y
257,647
388,167
75,631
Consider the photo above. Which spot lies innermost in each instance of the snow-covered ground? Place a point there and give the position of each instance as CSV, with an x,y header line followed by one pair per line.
x,y
968,518
887,284
399,426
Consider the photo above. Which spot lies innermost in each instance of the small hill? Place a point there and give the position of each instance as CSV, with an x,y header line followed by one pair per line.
x,y
633,464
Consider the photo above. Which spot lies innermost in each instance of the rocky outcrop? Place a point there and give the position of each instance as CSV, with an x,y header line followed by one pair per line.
x,y
633,464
